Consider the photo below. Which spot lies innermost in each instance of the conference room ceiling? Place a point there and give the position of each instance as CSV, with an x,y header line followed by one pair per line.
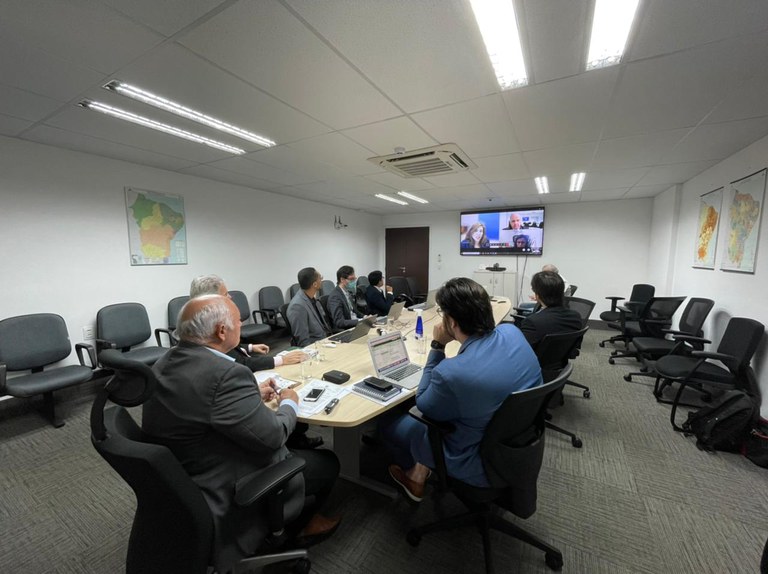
x,y
335,82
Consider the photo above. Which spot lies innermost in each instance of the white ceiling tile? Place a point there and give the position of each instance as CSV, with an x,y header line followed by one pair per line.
x,y
612,179
400,183
87,33
453,179
518,200
338,151
276,176
744,101
26,105
646,190
287,159
477,191
168,16
270,48
562,197
216,174
513,187
501,168
560,160
422,54
603,195
10,126
480,127
718,141
383,137
635,151
674,173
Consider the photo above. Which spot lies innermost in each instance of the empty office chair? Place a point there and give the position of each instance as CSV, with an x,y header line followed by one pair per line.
x,y
174,308
400,290
512,450
284,315
651,321
32,343
123,326
172,530
584,308
361,303
326,287
249,332
737,346
416,294
641,293
270,299
649,349
294,289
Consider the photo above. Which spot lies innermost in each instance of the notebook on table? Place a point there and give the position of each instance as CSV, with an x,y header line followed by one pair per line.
x,y
390,359
394,313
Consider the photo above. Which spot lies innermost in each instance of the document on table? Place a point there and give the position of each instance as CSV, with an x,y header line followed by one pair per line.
x,y
282,383
332,391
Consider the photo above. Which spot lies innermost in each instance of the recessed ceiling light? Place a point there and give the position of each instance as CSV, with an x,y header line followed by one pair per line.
x,y
149,123
541,184
498,26
185,112
392,199
577,181
413,197
611,24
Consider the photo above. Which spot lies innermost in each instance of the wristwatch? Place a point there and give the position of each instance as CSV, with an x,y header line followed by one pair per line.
x,y
437,345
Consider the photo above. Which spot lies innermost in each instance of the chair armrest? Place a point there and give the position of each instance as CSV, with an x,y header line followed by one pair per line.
x,y
266,315
712,355
102,344
442,427
257,485
673,332
3,371
691,339
172,341
657,321
614,301
79,348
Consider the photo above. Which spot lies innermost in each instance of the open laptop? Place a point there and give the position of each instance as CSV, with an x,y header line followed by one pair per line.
x,y
357,332
390,359
429,303
394,314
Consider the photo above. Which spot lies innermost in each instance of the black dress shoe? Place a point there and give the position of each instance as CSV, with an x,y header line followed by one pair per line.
x,y
304,442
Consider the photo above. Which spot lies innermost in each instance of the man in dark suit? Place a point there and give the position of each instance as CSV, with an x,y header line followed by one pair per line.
x,y
552,317
209,411
340,304
308,320
378,296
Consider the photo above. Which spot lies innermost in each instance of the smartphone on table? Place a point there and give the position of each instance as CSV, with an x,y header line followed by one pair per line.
x,y
313,395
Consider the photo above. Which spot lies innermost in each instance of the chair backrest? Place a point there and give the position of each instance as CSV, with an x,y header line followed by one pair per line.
x,y
512,448
399,286
324,303
362,281
239,299
270,298
124,324
326,287
294,289
174,308
694,315
583,307
413,287
284,315
360,301
657,315
741,338
30,342
642,292
555,349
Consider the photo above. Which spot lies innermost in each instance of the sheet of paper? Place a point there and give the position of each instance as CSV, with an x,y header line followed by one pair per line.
x,y
282,383
307,409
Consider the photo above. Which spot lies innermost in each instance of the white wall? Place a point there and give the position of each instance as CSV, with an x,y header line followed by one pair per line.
x,y
64,236
600,246
661,260
735,294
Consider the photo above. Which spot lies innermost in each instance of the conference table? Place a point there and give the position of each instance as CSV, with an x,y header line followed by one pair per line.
x,y
354,410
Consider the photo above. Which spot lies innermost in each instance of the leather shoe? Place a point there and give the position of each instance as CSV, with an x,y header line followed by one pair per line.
x,y
412,489
304,442
318,528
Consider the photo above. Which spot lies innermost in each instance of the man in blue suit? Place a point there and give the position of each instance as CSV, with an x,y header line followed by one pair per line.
x,y
465,390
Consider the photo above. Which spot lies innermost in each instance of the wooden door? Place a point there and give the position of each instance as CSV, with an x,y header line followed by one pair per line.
x,y
407,254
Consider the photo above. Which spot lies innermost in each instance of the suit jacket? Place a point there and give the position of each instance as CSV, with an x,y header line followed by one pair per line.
x,y
467,389
305,323
255,362
208,410
343,316
377,303
549,320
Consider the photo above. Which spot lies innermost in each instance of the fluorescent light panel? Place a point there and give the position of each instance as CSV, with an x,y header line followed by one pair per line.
x,y
577,181
413,197
611,24
185,112
542,185
149,123
392,199
498,26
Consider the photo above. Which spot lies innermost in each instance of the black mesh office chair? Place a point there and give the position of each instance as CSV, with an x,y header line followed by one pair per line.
x,y
512,450
400,290
123,326
641,293
584,308
362,281
651,321
32,343
249,332
415,293
737,346
174,308
172,530
326,287
270,300
361,303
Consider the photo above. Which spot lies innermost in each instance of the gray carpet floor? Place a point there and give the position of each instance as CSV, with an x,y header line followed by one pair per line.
x,y
637,498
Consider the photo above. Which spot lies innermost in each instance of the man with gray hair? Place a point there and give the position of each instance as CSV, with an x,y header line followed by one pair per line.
x,y
210,413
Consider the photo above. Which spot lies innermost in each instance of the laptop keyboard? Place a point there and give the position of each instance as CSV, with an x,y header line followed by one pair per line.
x,y
406,371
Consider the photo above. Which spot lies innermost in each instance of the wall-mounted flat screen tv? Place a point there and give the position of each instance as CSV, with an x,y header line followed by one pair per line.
x,y
508,231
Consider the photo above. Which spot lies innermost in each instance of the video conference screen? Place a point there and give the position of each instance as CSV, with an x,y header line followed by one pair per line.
x,y
512,231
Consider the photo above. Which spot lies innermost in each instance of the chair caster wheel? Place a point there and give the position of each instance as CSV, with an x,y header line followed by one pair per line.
x,y
302,566
602,344
413,538
587,394
628,378
576,442
611,361
614,353
554,561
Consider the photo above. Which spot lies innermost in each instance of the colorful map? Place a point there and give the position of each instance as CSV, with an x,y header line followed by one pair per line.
x,y
156,228
744,223
706,239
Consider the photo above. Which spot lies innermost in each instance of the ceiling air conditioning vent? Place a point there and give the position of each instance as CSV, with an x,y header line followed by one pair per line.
x,y
426,162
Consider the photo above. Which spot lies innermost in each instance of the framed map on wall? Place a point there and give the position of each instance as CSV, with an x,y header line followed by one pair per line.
x,y
743,208
157,231
710,206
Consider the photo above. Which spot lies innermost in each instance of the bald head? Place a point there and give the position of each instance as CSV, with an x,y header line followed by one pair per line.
x,y
211,320
550,268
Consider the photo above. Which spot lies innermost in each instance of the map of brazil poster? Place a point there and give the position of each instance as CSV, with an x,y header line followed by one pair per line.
x,y
743,209
157,232
710,207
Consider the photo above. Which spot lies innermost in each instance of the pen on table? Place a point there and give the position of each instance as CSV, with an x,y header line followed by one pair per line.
x,y
331,405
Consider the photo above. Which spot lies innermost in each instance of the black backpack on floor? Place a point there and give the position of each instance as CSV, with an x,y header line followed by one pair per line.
x,y
723,425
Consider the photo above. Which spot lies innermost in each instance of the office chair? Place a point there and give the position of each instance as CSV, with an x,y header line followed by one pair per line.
x,y
737,346
649,349
413,290
400,290
249,332
640,295
125,325
584,308
31,343
294,289
512,450
174,308
651,321
284,315
360,301
270,299
326,287
362,281
172,530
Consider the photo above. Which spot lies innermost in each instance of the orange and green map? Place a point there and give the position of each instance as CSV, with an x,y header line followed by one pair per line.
x,y
708,217
159,235
744,214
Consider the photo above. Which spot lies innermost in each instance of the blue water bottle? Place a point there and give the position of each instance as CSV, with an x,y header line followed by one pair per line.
x,y
419,333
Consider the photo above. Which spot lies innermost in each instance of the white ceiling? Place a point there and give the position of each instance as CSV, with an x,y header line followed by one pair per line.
x,y
335,82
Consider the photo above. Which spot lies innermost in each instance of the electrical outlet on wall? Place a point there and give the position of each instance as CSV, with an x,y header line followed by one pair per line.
x,y
88,334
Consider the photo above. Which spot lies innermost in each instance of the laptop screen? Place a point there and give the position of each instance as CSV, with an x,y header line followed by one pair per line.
x,y
388,352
